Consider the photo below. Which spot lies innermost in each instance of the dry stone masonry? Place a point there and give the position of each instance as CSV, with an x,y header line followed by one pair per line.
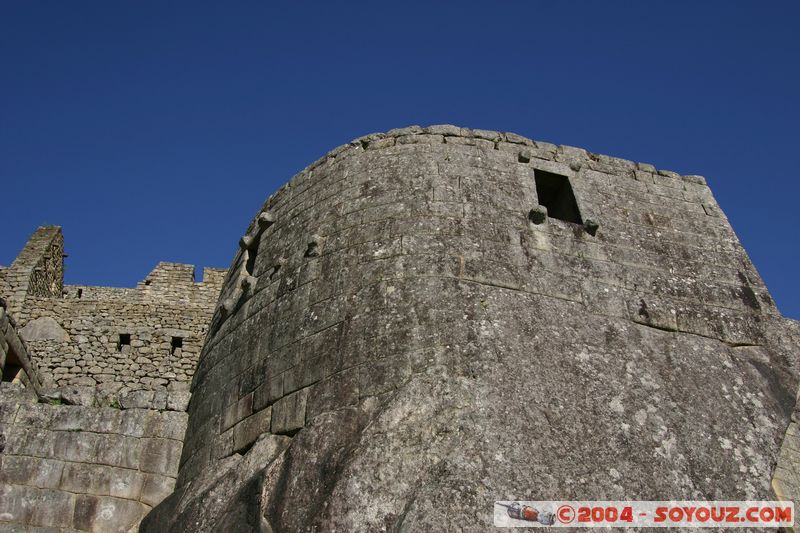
x,y
425,321
416,325
118,340
84,468
94,390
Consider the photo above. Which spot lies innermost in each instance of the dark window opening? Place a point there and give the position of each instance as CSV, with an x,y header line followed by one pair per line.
x,y
555,193
80,293
11,371
124,340
250,265
148,281
177,343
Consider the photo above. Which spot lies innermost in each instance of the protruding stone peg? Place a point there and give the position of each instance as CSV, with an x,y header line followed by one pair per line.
x,y
246,242
249,283
538,215
266,219
227,307
524,156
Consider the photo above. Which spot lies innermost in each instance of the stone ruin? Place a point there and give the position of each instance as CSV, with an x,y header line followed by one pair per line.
x,y
95,385
418,324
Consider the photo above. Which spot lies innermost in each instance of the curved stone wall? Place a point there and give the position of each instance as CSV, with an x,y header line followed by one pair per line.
x,y
404,337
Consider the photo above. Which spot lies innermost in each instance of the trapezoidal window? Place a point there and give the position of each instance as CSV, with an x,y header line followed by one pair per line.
x,y
11,371
176,344
13,368
555,193
124,340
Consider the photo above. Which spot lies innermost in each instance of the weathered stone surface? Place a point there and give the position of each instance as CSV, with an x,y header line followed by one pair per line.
x,y
51,456
117,340
44,329
178,400
98,513
289,413
248,430
77,395
225,498
440,352
156,488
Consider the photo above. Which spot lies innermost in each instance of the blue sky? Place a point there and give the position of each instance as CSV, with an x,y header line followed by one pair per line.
x,y
154,130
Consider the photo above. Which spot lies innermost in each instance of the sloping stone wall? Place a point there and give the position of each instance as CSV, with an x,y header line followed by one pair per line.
x,y
403,313
82,468
38,270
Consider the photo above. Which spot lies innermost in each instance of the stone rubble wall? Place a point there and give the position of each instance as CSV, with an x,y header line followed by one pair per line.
x,y
400,278
84,350
77,468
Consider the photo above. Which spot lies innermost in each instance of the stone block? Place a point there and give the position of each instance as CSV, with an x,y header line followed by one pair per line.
x,y
289,413
268,393
52,508
43,329
156,488
153,424
488,135
106,420
118,450
409,130
68,418
335,392
248,430
8,411
34,442
76,446
160,456
32,471
237,411
106,514
178,400
173,425
16,504
222,445
101,480
443,129
36,416
695,179
76,395
133,422
144,399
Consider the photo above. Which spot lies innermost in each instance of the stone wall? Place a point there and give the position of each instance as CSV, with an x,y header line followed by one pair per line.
x,y
81,468
122,340
16,364
403,324
90,434
38,270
